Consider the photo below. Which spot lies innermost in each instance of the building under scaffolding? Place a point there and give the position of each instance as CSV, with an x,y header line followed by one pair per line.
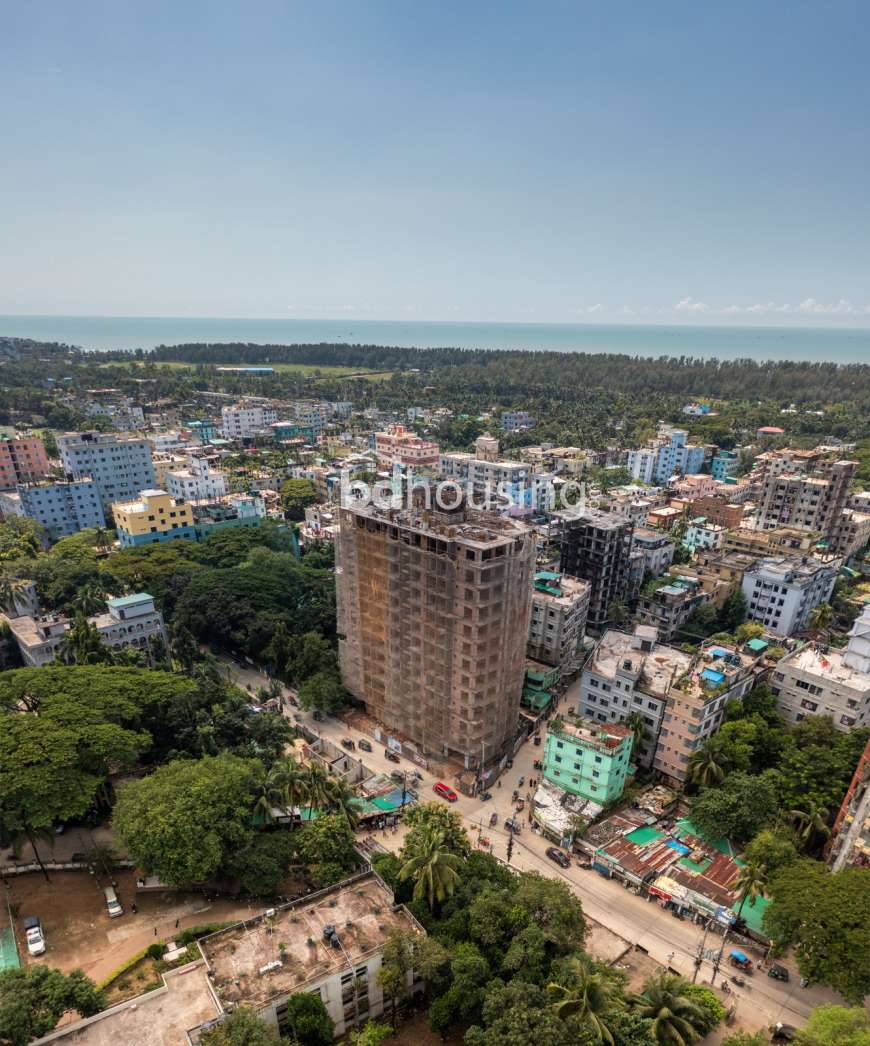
x,y
433,614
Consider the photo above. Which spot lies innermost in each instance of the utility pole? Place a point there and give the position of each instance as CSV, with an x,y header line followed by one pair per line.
x,y
700,957
510,847
718,958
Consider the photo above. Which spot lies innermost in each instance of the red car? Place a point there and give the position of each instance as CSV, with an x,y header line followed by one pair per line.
x,y
445,791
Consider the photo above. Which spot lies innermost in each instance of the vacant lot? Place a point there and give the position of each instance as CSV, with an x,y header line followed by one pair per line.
x,y
79,932
303,369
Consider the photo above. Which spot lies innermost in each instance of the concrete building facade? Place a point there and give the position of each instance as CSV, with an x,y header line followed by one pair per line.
x,y
397,446
821,680
22,460
61,508
587,758
596,546
433,617
558,621
155,516
240,421
782,592
120,466
198,482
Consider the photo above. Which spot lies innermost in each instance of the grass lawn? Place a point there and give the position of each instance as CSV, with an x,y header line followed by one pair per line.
x,y
304,369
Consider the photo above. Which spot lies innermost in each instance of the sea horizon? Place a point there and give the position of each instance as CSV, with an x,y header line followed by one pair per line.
x,y
800,344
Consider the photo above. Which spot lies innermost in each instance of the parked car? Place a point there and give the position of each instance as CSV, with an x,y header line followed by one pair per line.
x,y
445,791
364,746
391,755
513,826
537,739
778,972
113,905
317,715
559,856
348,744
34,935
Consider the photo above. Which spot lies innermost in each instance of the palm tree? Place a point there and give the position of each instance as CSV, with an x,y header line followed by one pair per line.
x,y
821,617
676,1018
89,599
634,722
591,997
317,788
342,799
271,793
706,766
7,594
25,834
101,538
82,644
750,884
434,870
811,821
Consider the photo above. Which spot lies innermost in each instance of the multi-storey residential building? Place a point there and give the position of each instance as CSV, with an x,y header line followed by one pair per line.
x,y
588,759
231,513
128,621
719,573
486,448
669,454
717,509
802,489
61,508
851,533
198,482
821,680
120,466
668,607
703,534
433,616
782,592
725,464
681,697
242,421
283,430
512,420
165,442
596,546
558,622
154,516
397,446
455,466
779,541
22,460
657,549
849,843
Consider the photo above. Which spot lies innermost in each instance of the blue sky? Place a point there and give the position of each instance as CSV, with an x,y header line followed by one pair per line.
x,y
490,161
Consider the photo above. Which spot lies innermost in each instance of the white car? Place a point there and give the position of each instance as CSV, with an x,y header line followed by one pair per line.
x,y
34,937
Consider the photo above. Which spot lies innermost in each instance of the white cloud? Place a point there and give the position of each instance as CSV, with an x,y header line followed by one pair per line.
x,y
840,307
690,305
598,307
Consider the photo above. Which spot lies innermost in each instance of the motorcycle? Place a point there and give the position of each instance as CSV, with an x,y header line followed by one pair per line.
x,y
493,820
739,981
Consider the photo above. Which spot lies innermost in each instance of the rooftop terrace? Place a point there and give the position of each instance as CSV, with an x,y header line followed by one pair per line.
x,y
249,964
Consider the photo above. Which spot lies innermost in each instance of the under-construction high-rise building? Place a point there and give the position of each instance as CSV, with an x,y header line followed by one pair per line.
x,y
433,616
596,546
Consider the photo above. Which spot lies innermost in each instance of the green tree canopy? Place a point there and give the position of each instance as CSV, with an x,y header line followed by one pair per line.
x,y
836,1026
736,809
308,1020
35,997
189,819
242,1027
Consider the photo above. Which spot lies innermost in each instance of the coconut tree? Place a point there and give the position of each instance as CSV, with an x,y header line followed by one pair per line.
x,y
318,788
811,821
271,793
433,869
89,599
27,834
750,884
677,1020
706,766
590,996
342,799
821,617
634,722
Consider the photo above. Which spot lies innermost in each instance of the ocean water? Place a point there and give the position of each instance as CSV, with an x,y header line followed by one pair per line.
x,y
841,345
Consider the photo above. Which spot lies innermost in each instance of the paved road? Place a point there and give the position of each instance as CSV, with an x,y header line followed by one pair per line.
x,y
634,919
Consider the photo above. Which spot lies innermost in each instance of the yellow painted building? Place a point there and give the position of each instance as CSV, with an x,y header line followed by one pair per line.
x,y
154,517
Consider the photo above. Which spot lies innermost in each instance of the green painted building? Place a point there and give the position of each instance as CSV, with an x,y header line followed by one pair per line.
x,y
588,759
538,685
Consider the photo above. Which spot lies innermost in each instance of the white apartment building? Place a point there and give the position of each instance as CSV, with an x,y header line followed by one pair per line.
x,y
198,482
120,466
657,548
558,622
128,621
165,442
240,421
782,591
817,680
61,508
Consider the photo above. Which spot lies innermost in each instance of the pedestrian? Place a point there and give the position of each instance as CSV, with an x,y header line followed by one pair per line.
x,y
133,908
177,921
670,957
155,931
